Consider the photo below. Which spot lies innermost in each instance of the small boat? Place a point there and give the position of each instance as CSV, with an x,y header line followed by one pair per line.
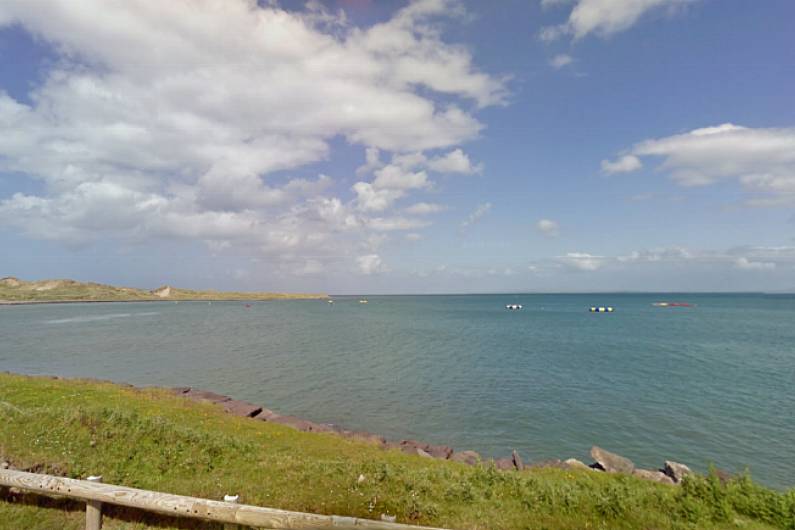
x,y
671,304
330,301
601,309
513,307
362,301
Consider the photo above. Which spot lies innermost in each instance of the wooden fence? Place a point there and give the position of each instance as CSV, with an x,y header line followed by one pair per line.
x,y
95,493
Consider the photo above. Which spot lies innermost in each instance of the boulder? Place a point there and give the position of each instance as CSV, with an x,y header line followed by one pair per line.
x,y
442,452
301,424
180,389
423,453
573,463
241,408
466,457
552,462
265,415
676,471
610,462
411,446
654,476
504,464
367,437
204,395
517,460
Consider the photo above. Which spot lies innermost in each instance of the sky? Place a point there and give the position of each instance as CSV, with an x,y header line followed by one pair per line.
x,y
431,146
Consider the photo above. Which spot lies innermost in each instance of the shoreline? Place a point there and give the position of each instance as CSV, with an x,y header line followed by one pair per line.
x,y
670,473
75,301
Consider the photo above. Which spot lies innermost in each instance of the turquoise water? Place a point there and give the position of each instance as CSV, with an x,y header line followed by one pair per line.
x,y
712,383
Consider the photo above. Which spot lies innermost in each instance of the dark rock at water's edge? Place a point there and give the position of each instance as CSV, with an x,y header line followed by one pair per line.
x,y
301,424
241,408
573,463
611,462
654,476
202,395
676,471
504,464
517,460
412,447
466,457
552,462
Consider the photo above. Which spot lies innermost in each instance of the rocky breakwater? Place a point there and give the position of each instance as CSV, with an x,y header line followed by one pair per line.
x,y
604,461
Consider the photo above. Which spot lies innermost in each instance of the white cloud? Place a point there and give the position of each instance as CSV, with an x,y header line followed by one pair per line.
x,y
583,261
144,130
413,236
369,199
478,213
561,60
388,224
761,160
603,17
455,161
370,264
425,208
554,3
746,264
396,178
624,164
548,227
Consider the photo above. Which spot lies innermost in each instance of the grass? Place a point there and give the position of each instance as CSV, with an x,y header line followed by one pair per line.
x,y
150,439
19,291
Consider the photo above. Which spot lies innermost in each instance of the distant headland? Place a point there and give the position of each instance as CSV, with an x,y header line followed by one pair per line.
x,y
16,291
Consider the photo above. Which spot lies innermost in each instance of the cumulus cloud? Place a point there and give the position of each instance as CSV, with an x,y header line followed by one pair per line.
x,y
746,264
370,264
762,160
476,215
425,208
561,60
603,17
455,161
624,164
548,227
583,261
144,130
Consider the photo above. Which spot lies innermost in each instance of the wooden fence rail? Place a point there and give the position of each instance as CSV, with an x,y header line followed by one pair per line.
x,y
95,493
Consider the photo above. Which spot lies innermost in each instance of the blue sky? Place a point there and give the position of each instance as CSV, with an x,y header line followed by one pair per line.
x,y
429,146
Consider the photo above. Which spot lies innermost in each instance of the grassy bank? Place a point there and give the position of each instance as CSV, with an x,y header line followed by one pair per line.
x,y
150,439
14,290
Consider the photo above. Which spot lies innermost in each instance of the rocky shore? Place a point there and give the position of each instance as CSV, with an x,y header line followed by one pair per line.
x,y
604,461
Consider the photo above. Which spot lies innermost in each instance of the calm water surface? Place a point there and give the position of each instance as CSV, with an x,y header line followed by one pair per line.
x,y
712,383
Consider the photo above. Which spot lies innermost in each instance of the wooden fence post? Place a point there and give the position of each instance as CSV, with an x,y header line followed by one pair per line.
x,y
234,499
94,509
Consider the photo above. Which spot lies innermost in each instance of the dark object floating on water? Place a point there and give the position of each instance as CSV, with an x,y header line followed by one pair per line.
x,y
601,309
248,305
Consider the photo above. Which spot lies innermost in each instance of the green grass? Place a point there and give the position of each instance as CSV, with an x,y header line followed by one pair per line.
x,y
18,291
150,439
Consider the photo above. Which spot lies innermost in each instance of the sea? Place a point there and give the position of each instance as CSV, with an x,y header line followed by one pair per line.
x,y
709,384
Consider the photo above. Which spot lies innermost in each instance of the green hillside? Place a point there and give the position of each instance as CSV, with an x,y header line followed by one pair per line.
x,y
19,291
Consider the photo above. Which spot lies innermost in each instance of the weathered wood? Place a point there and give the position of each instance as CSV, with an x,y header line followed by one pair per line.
x,y
94,509
179,505
233,499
